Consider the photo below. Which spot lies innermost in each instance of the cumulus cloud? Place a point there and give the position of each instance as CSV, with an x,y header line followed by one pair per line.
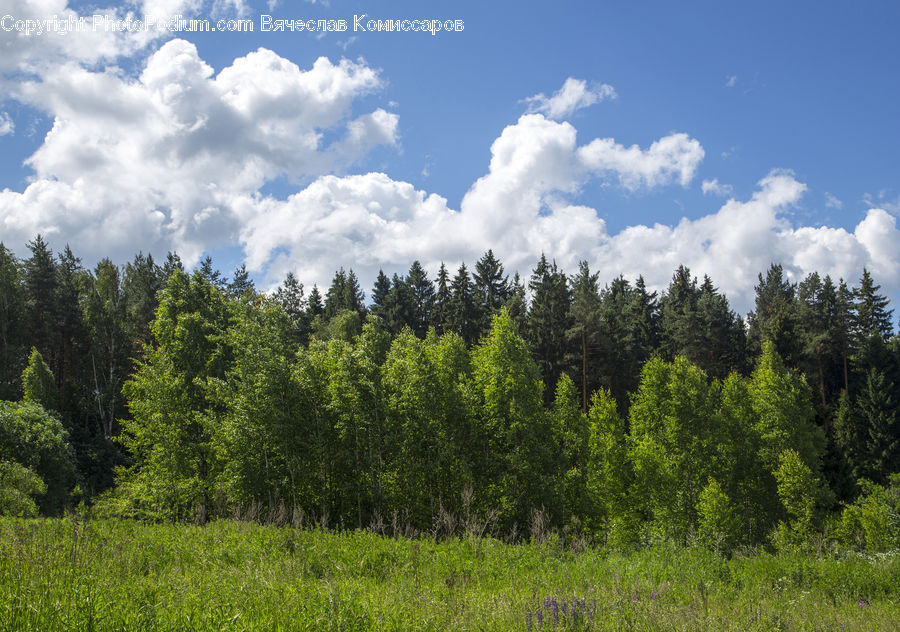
x,y
371,222
574,95
671,158
177,157
715,188
167,152
33,53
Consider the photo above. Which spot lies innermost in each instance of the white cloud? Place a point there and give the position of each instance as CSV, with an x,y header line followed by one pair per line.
x,y
833,202
163,156
671,158
33,54
6,124
732,81
574,95
177,158
715,188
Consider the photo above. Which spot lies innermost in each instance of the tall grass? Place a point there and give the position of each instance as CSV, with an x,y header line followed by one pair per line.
x,y
71,574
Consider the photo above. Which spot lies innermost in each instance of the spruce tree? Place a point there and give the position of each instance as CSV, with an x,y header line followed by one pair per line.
x,y
440,314
422,295
491,289
549,321
585,314
41,301
142,281
462,317
872,316
12,324
775,317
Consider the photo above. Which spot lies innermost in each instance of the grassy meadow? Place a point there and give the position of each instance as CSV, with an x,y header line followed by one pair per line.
x,y
74,574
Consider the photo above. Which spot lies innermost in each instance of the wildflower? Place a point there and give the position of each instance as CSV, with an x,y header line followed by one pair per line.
x,y
528,621
653,595
540,619
862,604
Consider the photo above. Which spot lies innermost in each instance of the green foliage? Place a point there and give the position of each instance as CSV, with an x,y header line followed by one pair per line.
x,y
171,399
782,403
12,324
37,382
572,433
36,440
675,443
799,491
609,473
717,524
18,486
508,394
873,521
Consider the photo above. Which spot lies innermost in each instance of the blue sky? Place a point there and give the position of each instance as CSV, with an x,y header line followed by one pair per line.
x,y
635,135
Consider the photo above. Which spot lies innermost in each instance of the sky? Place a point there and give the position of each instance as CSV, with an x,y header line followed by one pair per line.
x,y
637,136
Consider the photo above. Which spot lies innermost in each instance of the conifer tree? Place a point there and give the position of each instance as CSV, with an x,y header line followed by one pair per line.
x,y
585,314
872,316
440,315
380,292
491,289
775,317
462,317
314,304
422,298
142,281
12,325
549,321
41,296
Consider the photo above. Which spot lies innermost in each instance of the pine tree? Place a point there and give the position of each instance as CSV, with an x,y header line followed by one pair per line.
x,y
209,272
399,306
173,263
440,314
879,407
722,336
380,292
105,311
314,304
12,324
872,316
549,321
422,296
776,317
241,285
141,284
73,369
491,288
462,317
290,297
41,301
585,313
353,298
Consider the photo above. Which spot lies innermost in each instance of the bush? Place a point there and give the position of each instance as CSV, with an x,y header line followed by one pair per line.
x,y
873,521
37,441
17,486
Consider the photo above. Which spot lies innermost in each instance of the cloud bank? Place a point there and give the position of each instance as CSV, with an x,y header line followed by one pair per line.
x,y
178,157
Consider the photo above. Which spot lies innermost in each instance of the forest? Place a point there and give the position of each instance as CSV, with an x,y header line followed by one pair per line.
x,y
595,409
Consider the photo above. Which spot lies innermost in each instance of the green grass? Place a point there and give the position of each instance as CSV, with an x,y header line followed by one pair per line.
x,y
121,575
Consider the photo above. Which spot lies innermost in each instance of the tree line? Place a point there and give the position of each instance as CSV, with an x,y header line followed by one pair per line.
x,y
612,410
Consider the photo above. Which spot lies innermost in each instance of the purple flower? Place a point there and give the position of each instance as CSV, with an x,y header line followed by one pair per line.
x,y
528,621
862,604
540,618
